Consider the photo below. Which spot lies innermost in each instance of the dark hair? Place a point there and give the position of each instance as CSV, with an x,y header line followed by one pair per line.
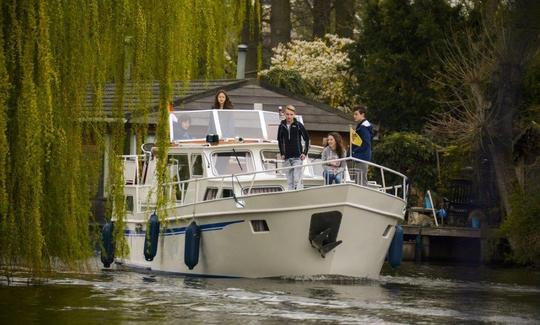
x,y
360,109
226,105
339,143
185,118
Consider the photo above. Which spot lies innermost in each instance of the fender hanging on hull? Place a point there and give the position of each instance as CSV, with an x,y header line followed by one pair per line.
x,y
151,238
395,252
107,244
192,245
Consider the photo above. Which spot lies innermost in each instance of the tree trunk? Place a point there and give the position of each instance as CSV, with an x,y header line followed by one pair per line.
x,y
345,10
520,43
252,37
280,22
321,17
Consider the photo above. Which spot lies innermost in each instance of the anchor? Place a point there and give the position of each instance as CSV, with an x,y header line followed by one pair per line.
x,y
322,244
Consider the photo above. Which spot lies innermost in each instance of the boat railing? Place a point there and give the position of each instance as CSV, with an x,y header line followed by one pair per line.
x,y
185,192
352,174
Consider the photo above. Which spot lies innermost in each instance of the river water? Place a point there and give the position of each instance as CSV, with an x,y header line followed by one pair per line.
x,y
415,293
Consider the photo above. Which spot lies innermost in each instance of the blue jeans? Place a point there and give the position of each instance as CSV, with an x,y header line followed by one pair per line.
x,y
330,178
294,175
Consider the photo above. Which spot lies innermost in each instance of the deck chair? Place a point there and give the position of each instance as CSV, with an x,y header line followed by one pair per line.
x,y
460,200
130,172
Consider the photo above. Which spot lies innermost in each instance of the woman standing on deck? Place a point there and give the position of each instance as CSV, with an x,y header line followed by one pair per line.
x,y
333,171
222,101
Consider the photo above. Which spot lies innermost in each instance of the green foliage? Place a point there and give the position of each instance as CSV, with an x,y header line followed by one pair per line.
x,y
411,154
396,56
51,54
290,80
452,160
321,63
522,227
531,93
5,222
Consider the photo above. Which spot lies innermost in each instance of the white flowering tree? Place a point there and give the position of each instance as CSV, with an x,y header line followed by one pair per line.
x,y
321,63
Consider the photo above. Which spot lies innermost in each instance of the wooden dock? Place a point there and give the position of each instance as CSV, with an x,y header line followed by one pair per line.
x,y
445,243
442,231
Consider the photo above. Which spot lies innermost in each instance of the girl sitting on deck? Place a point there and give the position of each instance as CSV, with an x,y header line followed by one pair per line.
x,y
333,171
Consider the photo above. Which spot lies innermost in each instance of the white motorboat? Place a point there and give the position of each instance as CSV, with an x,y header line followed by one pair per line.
x,y
244,221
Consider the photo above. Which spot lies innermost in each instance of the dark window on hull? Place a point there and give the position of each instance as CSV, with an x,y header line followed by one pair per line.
x,y
259,226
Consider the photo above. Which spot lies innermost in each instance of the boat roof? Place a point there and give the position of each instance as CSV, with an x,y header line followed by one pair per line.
x,y
194,126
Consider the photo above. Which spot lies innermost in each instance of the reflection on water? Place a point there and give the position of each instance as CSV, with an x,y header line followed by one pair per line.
x,y
412,294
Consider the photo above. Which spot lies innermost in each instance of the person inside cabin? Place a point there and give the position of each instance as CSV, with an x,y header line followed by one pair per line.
x,y
183,131
289,137
222,101
361,141
180,127
333,171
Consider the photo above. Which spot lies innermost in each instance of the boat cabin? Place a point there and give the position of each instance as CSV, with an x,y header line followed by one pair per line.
x,y
243,161
219,154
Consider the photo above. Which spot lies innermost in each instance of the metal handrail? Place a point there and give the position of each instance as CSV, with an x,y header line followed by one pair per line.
x,y
183,185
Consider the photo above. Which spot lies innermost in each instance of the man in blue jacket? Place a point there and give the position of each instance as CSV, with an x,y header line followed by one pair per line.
x,y
361,144
289,137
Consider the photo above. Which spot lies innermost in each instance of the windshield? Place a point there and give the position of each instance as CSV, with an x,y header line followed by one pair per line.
x,y
247,124
190,125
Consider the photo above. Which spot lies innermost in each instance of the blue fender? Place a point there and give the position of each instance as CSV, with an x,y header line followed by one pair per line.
x,y
107,244
151,238
395,252
192,245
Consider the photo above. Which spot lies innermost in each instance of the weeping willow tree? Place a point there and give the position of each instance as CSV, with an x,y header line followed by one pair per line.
x,y
52,55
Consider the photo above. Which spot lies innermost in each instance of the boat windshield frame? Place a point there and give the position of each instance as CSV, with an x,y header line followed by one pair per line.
x,y
188,126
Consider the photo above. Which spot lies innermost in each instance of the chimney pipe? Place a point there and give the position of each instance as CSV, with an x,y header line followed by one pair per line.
x,y
241,63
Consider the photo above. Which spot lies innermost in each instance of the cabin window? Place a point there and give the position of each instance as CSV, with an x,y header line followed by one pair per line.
x,y
227,192
266,189
226,163
212,193
178,165
315,157
196,165
271,160
129,203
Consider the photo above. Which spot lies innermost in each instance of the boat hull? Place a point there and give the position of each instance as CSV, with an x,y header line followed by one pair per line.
x,y
231,246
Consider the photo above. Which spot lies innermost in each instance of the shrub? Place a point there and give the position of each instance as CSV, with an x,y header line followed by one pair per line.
x,y
411,154
322,63
522,227
290,80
